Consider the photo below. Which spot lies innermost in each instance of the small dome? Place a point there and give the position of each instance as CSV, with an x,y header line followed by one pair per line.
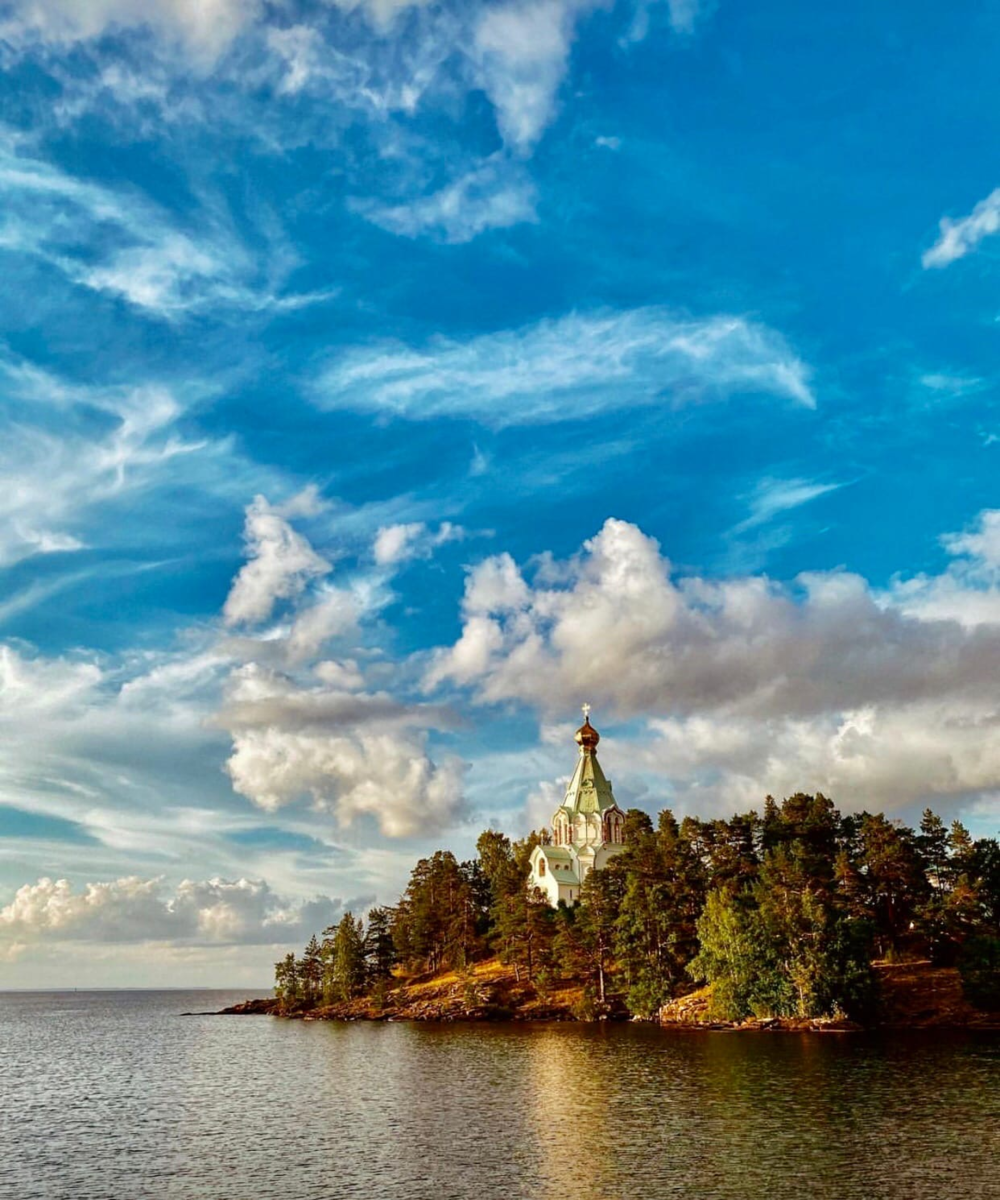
x,y
587,736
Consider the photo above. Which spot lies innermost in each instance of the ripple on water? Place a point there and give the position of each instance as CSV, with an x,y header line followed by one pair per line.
x,y
114,1095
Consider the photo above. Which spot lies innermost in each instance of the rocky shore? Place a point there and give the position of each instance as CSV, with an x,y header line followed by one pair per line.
x,y
914,996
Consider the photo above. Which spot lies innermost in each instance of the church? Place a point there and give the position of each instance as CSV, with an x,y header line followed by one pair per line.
x,y
588,828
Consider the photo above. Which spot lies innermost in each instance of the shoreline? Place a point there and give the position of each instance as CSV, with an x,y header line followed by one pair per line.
x,y
915,997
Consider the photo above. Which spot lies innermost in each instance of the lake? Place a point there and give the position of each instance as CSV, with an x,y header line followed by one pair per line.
x,y
115,1095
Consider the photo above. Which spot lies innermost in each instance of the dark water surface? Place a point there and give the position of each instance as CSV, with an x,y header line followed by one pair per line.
x,y
114,1094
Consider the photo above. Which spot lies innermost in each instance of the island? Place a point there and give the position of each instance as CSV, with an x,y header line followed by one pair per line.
x,y
797,917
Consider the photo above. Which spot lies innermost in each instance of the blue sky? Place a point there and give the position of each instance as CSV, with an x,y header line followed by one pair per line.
x,y
381,380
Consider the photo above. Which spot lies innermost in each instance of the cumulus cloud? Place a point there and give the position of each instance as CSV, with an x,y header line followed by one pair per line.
x,y
573,367
354,754
809,684
281,562
133,909
412,539
958,238
968,592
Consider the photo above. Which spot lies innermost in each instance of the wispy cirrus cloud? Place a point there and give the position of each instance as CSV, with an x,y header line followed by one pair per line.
x,y
771,497
204,28
569,368
960,237
117,242
67,450
494,194
367,65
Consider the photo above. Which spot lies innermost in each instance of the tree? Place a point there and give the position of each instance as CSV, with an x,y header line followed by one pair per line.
x,y
344,976
932,846
499,865
311,971
524,931
587,941
782,948
655,931
893,883
287,987
637,826
435,923
379,948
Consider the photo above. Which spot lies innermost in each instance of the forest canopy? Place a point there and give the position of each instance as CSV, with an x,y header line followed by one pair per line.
x,y
781,911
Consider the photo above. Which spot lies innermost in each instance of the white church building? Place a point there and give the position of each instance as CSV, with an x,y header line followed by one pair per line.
x,y
588,828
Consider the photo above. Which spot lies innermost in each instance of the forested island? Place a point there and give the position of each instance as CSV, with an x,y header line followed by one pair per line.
x,y
793,917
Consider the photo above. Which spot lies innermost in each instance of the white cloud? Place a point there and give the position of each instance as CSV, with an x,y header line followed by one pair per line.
x,y
281,564
888,757
381,12
685,14
116,241
334,614
205,27
968,592
523,51
574,367
59,466
354,754
958,238
494,194
132,909
775,496
413,539
749,685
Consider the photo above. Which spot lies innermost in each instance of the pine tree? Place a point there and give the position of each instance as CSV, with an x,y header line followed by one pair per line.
x,y
311,971
348,960
380,950
287,987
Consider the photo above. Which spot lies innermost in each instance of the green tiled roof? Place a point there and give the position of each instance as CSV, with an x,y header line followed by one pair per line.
x,y
588,791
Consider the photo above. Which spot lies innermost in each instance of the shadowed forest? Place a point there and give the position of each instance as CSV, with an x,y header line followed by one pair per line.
x,y
782,912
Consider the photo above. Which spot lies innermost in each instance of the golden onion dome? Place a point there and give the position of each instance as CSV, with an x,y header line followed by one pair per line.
x,y
587,736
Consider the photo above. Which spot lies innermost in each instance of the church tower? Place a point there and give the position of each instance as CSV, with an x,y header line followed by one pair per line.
x,y
588,828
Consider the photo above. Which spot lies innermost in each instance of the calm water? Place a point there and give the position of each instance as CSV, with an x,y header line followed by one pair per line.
x,y
116,1095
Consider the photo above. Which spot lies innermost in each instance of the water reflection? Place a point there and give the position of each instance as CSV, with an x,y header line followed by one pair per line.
x,y
111,1096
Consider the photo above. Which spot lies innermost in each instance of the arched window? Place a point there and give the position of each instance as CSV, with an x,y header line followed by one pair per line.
x,y
541,867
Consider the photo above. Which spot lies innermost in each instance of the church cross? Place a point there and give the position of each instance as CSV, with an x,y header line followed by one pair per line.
x,y
585,709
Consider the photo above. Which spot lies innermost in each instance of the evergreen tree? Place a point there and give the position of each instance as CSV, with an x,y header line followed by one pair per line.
x,y
655,931
347,959
893,881
287,987
310,969
436,921
379,949
524,931
588,941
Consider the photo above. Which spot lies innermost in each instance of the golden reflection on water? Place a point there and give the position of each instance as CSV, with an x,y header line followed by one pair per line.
x,y
570,1094
128,1099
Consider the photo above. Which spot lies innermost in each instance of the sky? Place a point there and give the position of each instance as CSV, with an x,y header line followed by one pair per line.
x,y
380,380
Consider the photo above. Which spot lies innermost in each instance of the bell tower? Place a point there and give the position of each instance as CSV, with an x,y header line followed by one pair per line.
x,y
588,828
